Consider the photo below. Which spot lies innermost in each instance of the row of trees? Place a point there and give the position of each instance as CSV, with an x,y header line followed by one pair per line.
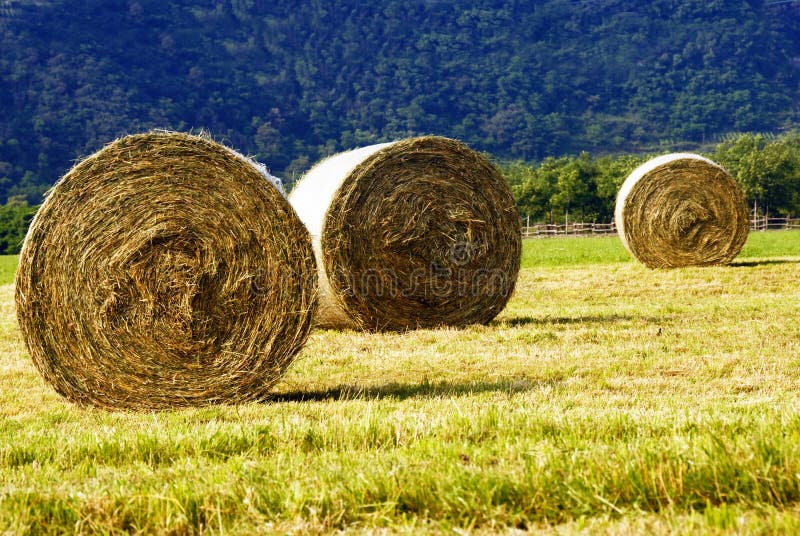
x,y
579,188
584,187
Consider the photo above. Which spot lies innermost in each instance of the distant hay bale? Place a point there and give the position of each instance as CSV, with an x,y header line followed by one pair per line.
x,y
681,210
416,233
164,271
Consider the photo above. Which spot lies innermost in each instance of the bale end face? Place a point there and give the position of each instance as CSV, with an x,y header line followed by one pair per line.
x,y
681,210
423,232
164,271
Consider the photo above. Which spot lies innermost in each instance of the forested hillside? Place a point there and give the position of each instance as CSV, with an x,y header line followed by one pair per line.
x,y
290,82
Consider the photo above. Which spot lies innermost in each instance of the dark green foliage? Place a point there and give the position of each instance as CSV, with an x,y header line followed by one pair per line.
x,y
291,82
767,169
15,217
579,188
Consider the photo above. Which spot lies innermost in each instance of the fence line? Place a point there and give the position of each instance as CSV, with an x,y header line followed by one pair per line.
x,y
546,230
764,224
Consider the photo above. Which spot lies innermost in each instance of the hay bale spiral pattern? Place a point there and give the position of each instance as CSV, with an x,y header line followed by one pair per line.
x,y
164,271
681,210
417,233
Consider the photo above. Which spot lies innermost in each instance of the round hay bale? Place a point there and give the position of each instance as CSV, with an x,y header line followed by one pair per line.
x,y
164,271
681,210
417,233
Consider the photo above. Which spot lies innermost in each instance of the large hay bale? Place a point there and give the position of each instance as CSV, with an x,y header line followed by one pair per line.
x,y
421,232
164,271
681,210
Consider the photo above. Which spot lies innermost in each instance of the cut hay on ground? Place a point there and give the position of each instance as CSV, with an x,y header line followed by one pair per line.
x,y
164,271
681,210
421,232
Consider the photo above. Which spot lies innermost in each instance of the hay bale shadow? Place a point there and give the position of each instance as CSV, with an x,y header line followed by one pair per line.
x,y
402,391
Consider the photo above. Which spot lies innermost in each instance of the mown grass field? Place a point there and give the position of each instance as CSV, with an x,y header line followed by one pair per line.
x,y
607,398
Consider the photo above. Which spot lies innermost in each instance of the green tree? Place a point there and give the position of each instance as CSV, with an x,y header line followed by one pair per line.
x,y
15,217
767,170
611,173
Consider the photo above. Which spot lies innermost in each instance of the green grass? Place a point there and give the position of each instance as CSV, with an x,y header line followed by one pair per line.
x,y
605,249
772,244
567,251
606,398
8,266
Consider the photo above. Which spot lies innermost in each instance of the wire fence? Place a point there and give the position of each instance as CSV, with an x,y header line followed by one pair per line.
x,y
547,230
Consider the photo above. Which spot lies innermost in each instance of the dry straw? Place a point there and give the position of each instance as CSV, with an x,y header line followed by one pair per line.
x,y
681,210
164,271
422,232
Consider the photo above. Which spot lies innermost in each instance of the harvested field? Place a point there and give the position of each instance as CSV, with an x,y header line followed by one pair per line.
x,y
606,398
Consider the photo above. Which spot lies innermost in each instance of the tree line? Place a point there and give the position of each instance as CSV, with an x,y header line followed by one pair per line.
x,y
584,187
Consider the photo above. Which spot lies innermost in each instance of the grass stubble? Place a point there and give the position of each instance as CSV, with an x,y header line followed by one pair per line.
x,y
606,398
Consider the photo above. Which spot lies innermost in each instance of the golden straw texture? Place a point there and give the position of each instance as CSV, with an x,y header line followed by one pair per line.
x,y
417,233
681,210
164,271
